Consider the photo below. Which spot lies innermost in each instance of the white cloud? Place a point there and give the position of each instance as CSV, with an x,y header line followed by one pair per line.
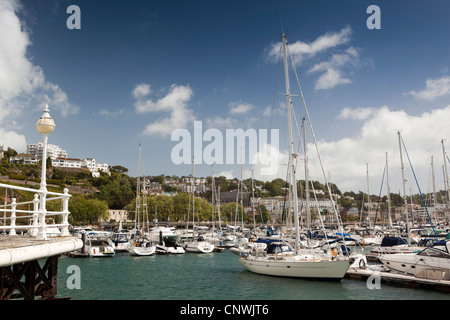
x,y
241,108
110,114
434,88
330,79
346,158
220,122
22,84
332,74
227,174
174,102
301,50
332,70
356,114
141,90
13,140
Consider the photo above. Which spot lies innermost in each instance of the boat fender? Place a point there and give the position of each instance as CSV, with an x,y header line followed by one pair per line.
x,y
362,264
333,253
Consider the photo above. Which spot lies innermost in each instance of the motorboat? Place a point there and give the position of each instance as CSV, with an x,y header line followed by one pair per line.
x,y
199,246
245,246
366,236
99,246
166,240
121,241
430,263
391,245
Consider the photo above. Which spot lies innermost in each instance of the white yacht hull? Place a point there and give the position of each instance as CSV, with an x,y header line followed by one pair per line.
x,y
199,247
416,265
122,247
175,250
172,250
141,251
294,267
97,252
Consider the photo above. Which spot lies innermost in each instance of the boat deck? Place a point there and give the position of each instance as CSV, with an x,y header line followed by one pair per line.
x,y
19,248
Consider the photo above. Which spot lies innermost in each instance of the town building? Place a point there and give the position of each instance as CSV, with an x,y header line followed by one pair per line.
x,y
118,216
24,158
66,163
53,151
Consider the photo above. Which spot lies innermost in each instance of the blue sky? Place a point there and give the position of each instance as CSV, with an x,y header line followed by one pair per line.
x,y
137,70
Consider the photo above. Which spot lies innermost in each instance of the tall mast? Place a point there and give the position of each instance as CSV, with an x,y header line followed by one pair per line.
x,y
308,212
213,190
434,191
388,191
292,156
368,196
253,205
445,179
193,198
138,192
404,187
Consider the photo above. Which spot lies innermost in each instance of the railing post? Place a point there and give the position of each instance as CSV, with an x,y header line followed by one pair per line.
x,y
34,230
42,234
12,231
65,214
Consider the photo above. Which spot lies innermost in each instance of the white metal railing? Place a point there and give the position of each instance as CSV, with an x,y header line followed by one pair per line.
x,y
34,221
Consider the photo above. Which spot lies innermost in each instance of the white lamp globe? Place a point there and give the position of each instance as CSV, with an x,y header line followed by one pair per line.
x,y
45,124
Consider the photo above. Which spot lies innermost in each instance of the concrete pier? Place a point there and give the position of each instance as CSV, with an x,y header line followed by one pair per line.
x,y
19,249
22,276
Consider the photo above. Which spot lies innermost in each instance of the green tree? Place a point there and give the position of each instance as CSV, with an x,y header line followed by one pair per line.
x,y
119,169
84,210
117,190
181,203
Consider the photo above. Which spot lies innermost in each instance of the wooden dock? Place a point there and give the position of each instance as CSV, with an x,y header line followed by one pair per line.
x,y
391,276
21,274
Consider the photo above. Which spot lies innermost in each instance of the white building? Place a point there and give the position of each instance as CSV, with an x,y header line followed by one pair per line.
x,y
66,163
95,167
53,151
24,158
118,215
275,205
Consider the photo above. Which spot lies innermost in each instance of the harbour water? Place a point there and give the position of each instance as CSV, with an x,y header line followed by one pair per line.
x,y
215,276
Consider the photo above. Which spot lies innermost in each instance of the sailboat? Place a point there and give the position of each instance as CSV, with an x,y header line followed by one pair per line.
x,y
279,259
139,245
199,244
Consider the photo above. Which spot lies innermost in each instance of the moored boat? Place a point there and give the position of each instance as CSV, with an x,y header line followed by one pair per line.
x,y
99,246
199,246
430,262
279,258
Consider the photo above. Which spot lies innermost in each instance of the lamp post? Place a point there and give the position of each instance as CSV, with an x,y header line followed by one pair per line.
x,y
44,126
